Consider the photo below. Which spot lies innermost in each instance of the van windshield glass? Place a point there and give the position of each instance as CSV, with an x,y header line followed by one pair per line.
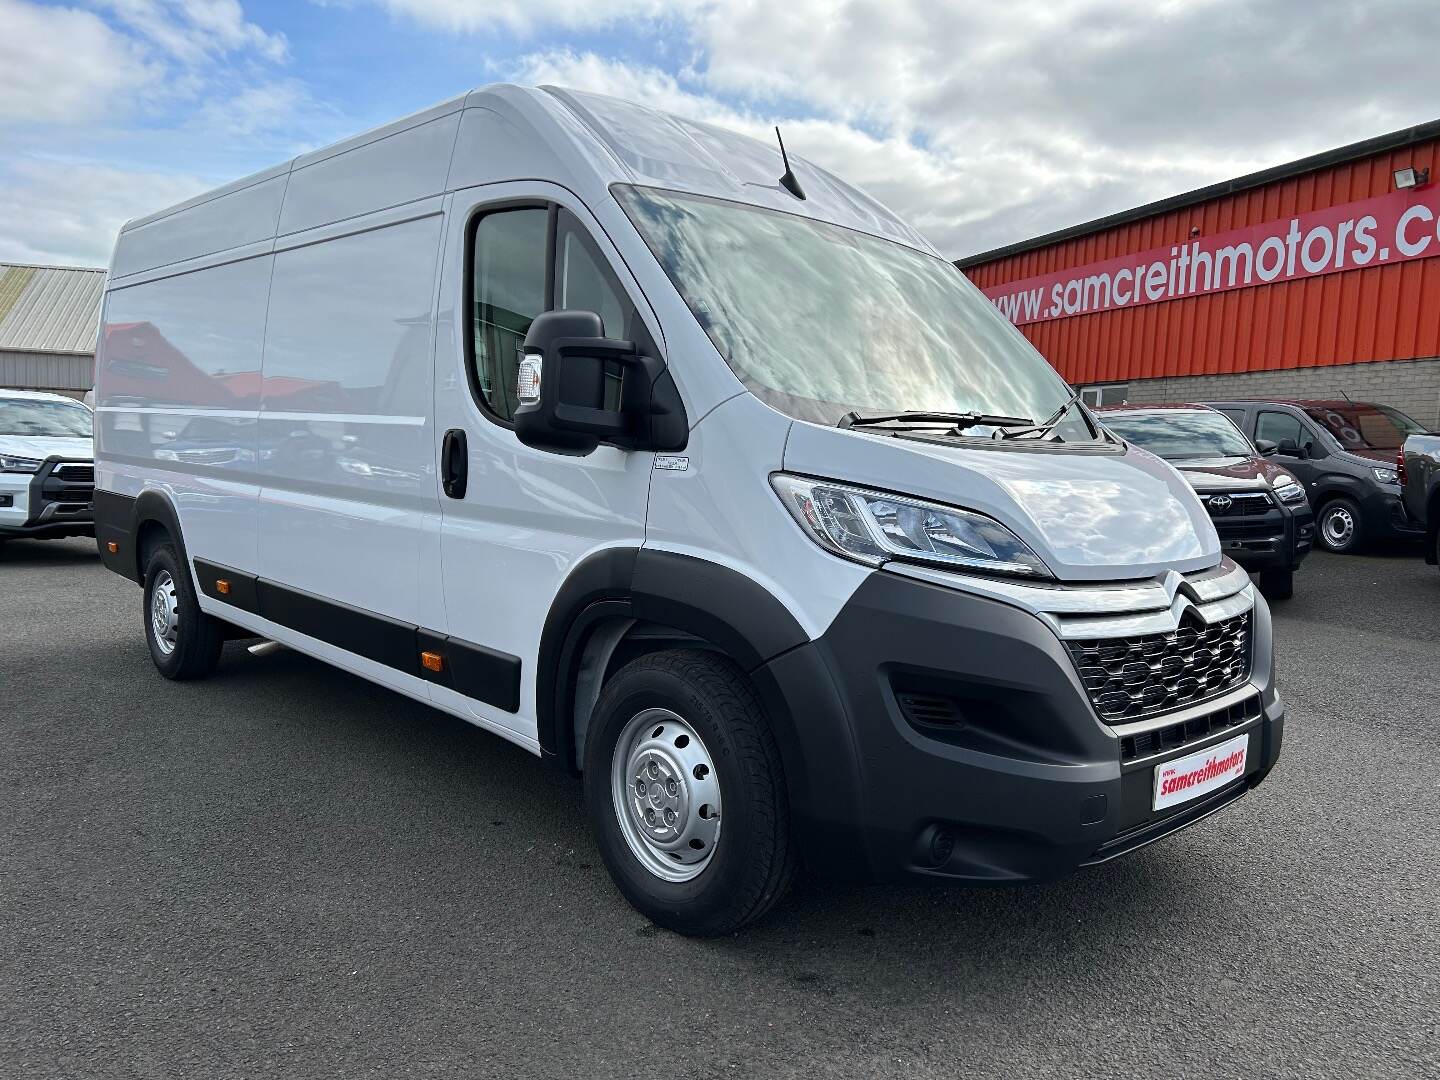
x,y
1180,436
819,320
21,416
1364,426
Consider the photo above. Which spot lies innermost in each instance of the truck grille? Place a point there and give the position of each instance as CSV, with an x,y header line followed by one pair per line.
x,y
75,473
1228,504
1133,677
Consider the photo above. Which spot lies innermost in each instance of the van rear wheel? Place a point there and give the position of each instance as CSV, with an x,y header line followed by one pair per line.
x,y
686,795
184,642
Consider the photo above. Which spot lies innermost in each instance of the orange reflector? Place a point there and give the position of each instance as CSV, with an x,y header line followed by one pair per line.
x,y
222,586
112,547
432,661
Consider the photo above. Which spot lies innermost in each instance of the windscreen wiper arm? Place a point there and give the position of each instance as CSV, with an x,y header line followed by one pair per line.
x,y
956,421
1039,431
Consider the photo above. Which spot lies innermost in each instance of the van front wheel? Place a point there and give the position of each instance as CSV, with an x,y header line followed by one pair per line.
x,y
686,795
184,642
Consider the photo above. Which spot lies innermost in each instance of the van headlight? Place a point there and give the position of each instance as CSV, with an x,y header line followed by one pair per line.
x,y
1289,491
18,464
873,527
1387,476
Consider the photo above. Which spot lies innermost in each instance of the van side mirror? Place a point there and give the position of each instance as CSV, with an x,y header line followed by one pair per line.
x,y
566,387
1290,448
1267,447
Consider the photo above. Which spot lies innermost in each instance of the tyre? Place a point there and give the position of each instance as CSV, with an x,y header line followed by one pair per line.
x,y
184,642
1338,526
1278,583
686,794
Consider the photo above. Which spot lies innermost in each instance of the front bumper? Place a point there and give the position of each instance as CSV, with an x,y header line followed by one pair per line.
x,y
1385,517
1279,538
1030,784
55,502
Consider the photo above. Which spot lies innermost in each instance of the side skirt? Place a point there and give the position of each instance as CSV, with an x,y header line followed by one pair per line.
x,y
473,670
408,685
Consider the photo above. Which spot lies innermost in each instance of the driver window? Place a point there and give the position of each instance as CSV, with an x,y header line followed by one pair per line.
x,y
585,282
508,291
1277,427
511,284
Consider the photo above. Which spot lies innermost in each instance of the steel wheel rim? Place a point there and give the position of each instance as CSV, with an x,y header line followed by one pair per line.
x,y
666,795
1338,527
164,613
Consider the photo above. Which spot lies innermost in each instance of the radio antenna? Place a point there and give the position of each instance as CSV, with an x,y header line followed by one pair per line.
x,y
788,181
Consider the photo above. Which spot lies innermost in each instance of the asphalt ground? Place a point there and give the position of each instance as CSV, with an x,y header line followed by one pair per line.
x,y
285,871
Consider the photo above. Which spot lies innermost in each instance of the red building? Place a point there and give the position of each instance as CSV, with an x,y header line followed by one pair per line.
x,y
1314,279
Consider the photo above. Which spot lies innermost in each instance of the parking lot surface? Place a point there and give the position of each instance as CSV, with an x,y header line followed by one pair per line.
x,y
288,871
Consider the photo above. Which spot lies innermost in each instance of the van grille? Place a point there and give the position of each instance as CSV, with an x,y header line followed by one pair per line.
x,y
1130,678
1164,739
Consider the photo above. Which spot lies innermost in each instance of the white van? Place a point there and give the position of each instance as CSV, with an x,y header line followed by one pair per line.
x,y
575,420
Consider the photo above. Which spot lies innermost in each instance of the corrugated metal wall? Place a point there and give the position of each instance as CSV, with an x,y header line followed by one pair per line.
x,y
46,371
1382,313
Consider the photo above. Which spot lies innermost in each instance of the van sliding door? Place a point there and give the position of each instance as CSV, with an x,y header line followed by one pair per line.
x,y
345,429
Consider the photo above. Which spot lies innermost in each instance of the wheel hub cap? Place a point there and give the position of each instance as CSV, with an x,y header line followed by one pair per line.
x,y
666,795
165,613
1339,525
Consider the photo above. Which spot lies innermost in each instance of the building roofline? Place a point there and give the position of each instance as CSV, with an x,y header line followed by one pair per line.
x,y
1380,144
49,266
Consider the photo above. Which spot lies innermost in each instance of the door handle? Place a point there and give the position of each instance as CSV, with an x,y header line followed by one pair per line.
x,y
454,463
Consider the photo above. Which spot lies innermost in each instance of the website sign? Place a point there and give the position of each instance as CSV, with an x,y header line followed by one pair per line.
x,y
1397,227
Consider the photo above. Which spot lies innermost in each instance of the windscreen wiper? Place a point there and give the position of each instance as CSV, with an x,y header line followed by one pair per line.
x,y
955,421
1039,431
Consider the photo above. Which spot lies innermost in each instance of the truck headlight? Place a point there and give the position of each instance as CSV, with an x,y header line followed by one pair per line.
x,y
18,464
1386,476
873,527
1289,490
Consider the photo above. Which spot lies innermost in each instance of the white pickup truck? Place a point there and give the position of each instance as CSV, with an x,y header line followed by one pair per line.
x,y
47,467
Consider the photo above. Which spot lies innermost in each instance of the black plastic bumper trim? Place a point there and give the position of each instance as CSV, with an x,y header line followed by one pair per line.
x,y
476,671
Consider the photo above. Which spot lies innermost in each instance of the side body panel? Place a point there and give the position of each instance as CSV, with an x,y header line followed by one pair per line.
x,y
721,509
177,392
345,429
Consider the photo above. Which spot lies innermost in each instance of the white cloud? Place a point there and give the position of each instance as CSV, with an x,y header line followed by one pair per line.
x,y
527,15
63,64
281,105
69,213
138,80
1044,113
194,30
987,123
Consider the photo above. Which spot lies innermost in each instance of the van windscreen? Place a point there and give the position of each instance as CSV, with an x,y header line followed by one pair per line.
x,y
819,320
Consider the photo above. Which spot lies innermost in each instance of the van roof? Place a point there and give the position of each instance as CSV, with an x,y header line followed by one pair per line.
x,y
582,141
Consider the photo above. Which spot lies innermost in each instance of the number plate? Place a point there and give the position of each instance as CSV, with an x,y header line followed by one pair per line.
x,y
1199,774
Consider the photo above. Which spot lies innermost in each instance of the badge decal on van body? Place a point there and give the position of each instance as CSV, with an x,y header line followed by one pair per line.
x,y
671,462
